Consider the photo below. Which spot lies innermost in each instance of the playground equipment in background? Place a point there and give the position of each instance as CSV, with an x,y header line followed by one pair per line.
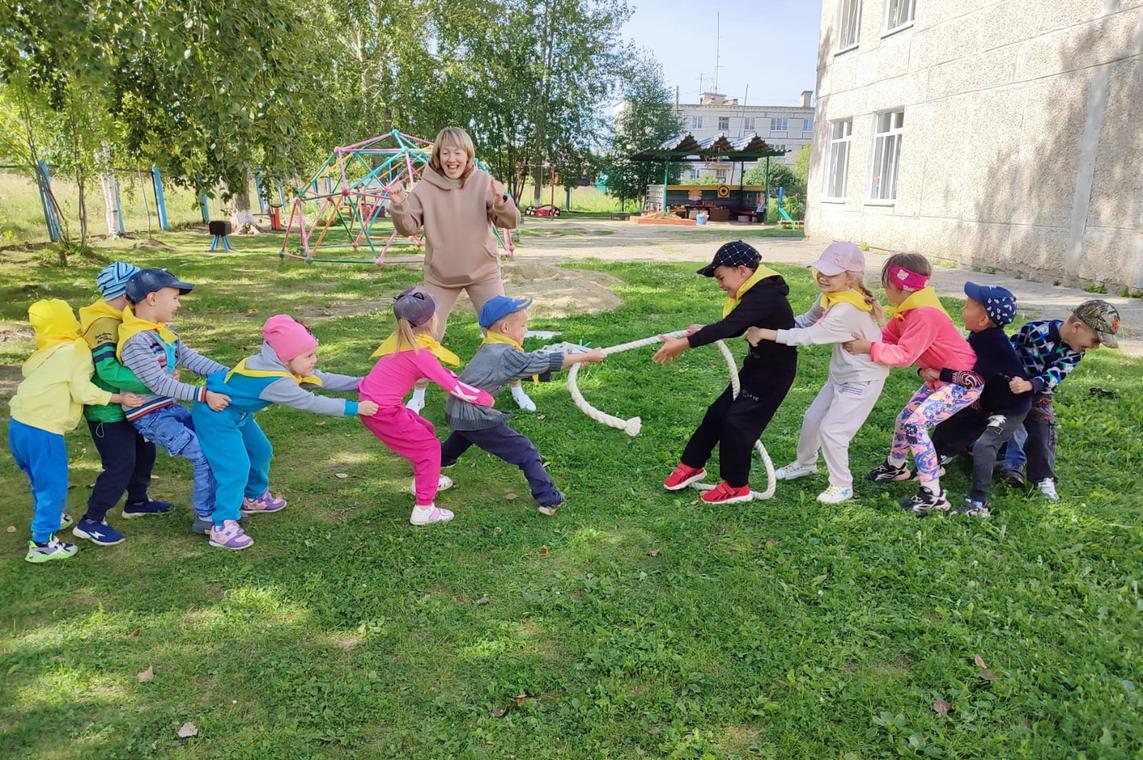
x,y
221,231
784,218
350,191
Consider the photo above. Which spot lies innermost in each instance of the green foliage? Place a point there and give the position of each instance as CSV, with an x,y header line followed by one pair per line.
x,y
802,167
636,623
1095,287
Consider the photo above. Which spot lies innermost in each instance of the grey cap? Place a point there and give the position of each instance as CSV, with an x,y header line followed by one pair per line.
x,y
415,305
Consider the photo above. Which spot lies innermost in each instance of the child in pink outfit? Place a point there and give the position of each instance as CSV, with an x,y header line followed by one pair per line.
x,y
920,332
408,355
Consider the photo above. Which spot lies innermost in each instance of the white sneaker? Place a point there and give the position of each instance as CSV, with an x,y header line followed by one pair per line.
x,y
1047,487
429,515
793,471
443,484
835,495
416,402
522,399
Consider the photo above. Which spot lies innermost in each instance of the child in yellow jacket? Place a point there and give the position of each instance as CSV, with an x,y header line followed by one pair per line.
x,y
48,403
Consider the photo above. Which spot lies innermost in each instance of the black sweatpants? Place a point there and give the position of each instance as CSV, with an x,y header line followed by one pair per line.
x,y
734,424
127,459
985,433
514,448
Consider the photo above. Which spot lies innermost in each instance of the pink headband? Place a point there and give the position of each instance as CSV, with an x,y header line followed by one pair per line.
x,y
905,279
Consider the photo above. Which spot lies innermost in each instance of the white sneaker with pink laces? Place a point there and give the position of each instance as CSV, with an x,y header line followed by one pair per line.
x,y
429,515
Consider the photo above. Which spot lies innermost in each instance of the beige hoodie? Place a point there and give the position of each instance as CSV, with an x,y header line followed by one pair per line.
x,y
460,248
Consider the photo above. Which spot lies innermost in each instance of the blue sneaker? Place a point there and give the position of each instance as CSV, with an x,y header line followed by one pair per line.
x,y
133,509
97,532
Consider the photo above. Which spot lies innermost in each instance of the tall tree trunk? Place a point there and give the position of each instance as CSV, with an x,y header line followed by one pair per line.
x,y
541,112
110,185
80,176
147,206
240,215
42,182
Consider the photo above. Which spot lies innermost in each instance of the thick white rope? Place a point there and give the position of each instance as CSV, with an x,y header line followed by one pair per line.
x,y
633,425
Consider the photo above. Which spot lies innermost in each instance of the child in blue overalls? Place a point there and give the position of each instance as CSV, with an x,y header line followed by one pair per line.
x,y
238,451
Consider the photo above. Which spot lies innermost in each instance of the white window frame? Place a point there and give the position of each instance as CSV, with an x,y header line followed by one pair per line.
x,y
780,124
720,175
808,124
906,11
748,123
721,120
848,11
840,144
696,122
888,133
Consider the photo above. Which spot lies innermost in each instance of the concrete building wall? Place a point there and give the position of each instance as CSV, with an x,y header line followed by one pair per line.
x,y
1022,146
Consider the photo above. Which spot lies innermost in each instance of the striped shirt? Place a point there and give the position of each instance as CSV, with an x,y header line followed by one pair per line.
x,y
1044,354
154,362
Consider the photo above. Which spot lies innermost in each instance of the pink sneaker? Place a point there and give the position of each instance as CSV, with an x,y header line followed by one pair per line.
x,y
230,536
429,515
264,503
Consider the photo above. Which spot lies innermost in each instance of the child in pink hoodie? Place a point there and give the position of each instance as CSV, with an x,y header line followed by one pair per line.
x,y
410,354
920,332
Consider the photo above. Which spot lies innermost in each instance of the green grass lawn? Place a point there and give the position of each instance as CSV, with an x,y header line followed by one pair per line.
x,y
636,623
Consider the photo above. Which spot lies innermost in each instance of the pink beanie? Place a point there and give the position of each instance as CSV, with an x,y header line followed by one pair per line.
x,y
288,337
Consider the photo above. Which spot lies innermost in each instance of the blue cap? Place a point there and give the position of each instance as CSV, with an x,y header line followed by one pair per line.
x,y
152,280
998,302
112,279
499,307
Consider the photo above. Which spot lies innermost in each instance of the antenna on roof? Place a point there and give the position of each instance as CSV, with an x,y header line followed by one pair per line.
x,y
717,40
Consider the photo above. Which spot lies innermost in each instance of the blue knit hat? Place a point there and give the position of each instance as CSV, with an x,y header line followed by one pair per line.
x,y
112,280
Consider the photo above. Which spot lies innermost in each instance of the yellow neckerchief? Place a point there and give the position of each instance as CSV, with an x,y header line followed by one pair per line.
x,y
133,325
853,297
89,315
424,340
53,322
495,337
761,273
241,369
923,298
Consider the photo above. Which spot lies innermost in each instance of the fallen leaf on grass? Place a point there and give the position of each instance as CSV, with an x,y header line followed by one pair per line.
x,y
135,632
510,497
984,675
342,475
982,669
544,550
653,553
188,730
11,529
499,712
146,675
483,600
542,417
941,707
520,699
978,661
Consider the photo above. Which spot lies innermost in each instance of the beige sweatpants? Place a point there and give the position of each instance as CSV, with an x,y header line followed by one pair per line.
x,y
478,292
830,423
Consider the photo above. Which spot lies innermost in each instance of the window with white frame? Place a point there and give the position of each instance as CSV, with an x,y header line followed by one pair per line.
x,y
723,123
720,175
848,24
748,123
888,131
899,13
840,133
696,122
779,124
808,124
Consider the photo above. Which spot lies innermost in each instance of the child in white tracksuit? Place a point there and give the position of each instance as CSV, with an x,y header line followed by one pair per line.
x,y
855,381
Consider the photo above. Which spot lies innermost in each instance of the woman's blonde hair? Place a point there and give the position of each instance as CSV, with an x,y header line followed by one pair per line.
x,y
453,137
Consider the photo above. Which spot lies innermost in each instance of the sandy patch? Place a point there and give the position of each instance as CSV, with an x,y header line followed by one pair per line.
x,y
560,292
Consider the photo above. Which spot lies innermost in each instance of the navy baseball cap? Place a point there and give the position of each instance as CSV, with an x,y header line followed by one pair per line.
x,y
736,254
499,307
998,302
152,280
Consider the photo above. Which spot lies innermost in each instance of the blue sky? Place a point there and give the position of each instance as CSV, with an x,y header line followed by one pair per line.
x,y
769,45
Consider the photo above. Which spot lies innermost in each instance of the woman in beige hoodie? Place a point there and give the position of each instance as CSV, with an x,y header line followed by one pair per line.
x,y
457,206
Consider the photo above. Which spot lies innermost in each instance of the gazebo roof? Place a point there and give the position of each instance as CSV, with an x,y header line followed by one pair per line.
x,y
686,148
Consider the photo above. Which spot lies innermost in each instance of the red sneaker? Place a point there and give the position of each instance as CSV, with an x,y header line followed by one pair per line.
x,y
683,476
724,493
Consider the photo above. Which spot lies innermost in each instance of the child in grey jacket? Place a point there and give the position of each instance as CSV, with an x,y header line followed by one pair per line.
x,y
500,361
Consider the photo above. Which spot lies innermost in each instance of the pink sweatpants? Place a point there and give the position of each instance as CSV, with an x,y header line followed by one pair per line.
x,y
412,436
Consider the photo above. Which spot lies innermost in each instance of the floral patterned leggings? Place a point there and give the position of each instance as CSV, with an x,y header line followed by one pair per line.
x,y
929,406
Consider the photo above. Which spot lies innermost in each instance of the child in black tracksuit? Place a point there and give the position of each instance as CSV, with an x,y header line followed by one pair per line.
x,y
756,297
993,419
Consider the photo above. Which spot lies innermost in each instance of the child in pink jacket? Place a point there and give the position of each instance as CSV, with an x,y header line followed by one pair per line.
x,y
920,332
408,355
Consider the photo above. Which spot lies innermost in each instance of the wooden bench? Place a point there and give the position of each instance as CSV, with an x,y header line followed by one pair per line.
x,y
791,224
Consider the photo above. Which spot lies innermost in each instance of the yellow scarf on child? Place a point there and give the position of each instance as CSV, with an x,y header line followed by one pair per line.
x,y
923,298
854,298
133,325
495,337
241,369
761,273
89,315
393,345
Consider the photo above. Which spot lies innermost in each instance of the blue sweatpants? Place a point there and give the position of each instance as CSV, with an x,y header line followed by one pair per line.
x,y
43,458
239,454
514,448
172,428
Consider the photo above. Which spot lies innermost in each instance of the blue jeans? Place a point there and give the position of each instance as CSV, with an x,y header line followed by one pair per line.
x,y
239,455
43,458
1014,457
172,428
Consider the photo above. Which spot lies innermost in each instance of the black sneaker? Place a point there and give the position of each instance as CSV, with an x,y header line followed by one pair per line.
x,y
973,508
1013,479
888,473
925,501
